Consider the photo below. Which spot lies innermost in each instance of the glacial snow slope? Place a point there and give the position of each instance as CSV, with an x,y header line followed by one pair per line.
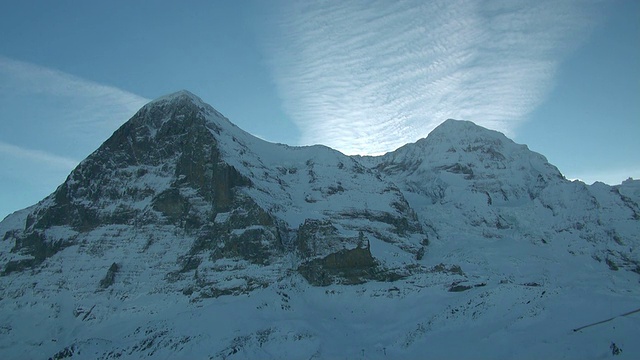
x,y
495,188
183,236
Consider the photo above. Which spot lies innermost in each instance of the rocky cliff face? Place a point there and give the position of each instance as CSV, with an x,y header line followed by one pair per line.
x,y
180,207
180,169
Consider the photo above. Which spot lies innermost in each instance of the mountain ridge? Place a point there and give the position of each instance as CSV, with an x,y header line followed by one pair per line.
x,y
180,209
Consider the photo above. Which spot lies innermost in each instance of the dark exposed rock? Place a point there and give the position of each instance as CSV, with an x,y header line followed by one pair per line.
x,y
166,167
347,267
64,211
36,245
19,265
318,238
401,224
353,266
171,204
65,353
453,269
333,258
110,277
459,288
171,141
456,287
249,233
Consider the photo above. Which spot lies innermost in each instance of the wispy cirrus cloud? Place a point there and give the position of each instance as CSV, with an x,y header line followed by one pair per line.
x,y
49,121
37,156
60,113
370,76
27,78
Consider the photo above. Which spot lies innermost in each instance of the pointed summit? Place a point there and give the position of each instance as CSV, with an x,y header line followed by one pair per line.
x,y
177,107
461,141
169,145
460,150
464,132
178,96
178,168
451,124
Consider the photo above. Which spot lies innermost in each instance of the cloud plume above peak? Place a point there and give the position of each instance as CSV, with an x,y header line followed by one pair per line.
x,y
60,113
366,77
49,121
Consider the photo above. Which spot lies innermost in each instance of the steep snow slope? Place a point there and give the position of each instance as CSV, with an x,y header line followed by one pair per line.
x,y
464,179
183,236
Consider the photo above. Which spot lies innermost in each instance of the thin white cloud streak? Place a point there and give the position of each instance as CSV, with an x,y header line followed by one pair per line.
x,y
81,113
49,120
37,156
35,79
366,77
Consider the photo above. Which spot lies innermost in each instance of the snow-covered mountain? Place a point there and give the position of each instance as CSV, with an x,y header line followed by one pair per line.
x,y
183,236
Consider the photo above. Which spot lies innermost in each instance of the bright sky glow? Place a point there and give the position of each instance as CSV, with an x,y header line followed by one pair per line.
x,y
364,77
369,77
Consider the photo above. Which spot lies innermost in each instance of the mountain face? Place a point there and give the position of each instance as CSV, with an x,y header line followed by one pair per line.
x,y
184,236
499,189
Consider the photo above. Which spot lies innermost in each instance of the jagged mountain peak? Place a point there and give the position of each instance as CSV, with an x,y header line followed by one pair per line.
x,y
177,107
180,95
451,125
170,143
461,133
179,163
178,100
464,147
453,135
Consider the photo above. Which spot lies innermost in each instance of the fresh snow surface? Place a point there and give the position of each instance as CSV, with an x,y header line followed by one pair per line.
x,y
533,298
517,258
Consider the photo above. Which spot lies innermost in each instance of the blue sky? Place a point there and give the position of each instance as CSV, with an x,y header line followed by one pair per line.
x,y
361,76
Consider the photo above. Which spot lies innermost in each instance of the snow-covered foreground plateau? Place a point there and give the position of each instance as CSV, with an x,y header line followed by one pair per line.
x,y
183,237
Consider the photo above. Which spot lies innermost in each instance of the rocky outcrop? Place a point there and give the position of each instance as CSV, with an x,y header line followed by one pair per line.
x,y
162,166
347,266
